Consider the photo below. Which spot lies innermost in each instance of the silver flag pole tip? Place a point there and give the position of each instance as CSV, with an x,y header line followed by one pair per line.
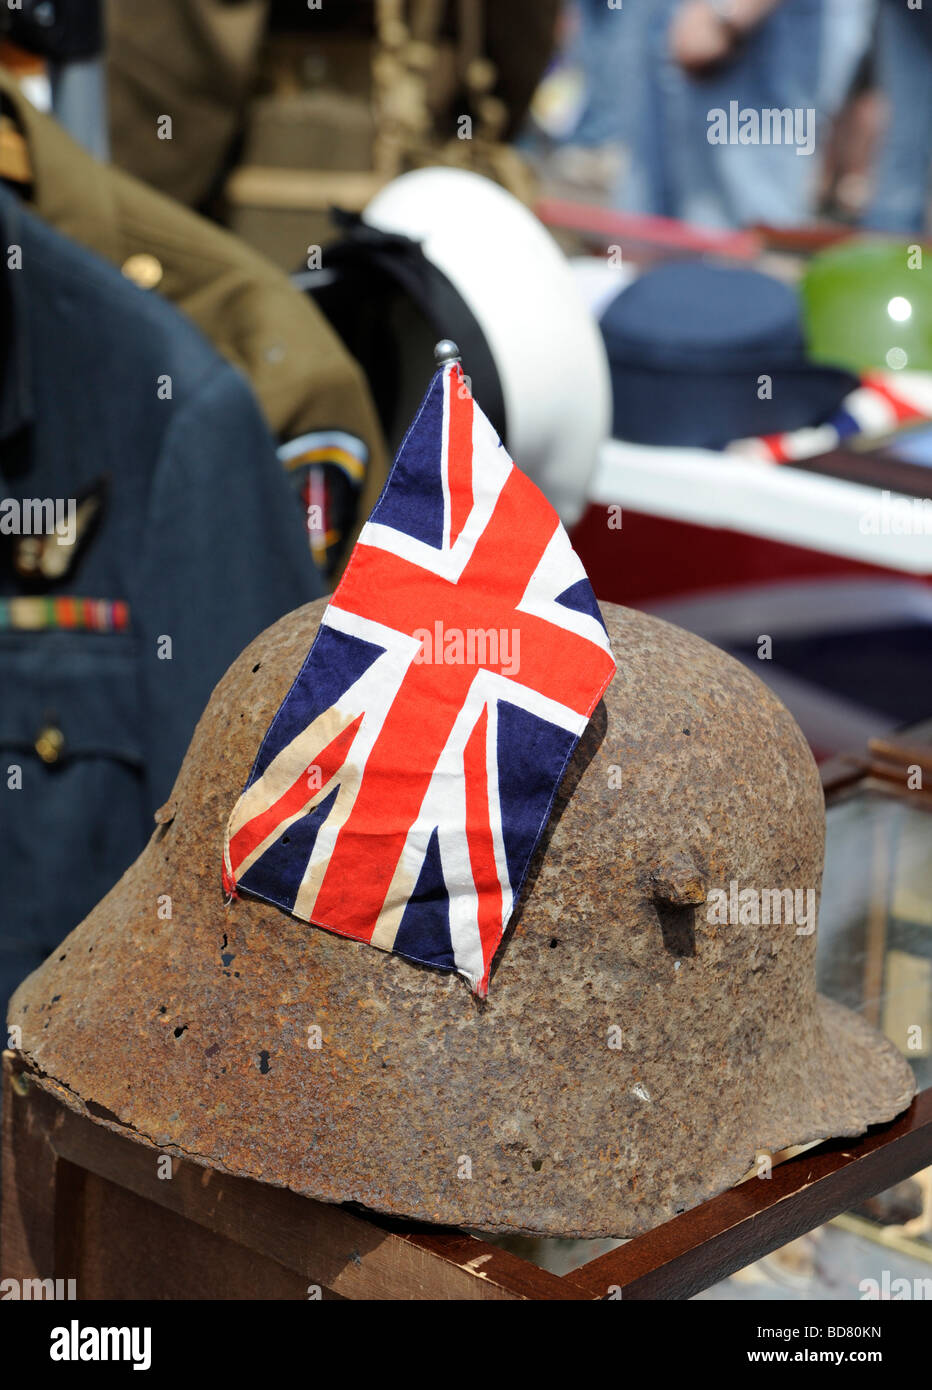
x,y
446,352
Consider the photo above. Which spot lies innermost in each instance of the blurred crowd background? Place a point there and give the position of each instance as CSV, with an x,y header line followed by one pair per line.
x,y
622,110
608,98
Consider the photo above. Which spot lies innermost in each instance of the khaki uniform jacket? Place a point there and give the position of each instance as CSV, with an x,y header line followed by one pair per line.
x,y
301,374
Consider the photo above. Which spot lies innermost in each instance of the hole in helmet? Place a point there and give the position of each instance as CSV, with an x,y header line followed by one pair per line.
x,y
264,1067
182,1029
256,667
677,927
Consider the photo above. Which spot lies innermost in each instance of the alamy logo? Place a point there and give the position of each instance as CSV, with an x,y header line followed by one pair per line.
x,y
897,516
33,1289
756,907
471,646
77,1343
886,1288
772,125
39,516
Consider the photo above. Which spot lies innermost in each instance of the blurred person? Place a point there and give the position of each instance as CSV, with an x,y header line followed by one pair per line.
x,y
701,57
847,173
655,73
903,178
849,99
598,49
847,31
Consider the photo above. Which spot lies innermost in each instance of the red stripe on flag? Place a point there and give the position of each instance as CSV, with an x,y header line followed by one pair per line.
x,y
901,409
290,803
398,772
774,443
482,847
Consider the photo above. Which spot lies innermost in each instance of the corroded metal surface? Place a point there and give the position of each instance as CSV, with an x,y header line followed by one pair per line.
x,y
632,1058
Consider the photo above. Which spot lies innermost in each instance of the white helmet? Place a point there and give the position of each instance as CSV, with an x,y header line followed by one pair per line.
x,y
490,276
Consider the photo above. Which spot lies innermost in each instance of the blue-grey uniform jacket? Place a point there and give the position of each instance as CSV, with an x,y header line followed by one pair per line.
x,y
120,424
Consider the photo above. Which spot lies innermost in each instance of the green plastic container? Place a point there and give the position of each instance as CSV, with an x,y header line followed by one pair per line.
x,y
868,304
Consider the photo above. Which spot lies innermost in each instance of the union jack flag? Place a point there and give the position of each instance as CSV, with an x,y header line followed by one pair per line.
x,y
404,783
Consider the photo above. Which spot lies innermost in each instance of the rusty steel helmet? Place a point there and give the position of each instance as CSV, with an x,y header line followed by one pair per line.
x,y
633,1057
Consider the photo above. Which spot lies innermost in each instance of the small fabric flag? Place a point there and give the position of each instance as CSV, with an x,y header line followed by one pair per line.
x,y
404,783
883,402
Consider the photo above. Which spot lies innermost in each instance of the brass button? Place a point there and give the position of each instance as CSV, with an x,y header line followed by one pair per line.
x,y
49,743
143,269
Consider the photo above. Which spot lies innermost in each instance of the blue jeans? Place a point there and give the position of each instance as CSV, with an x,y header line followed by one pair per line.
x,y
602,50
664,122
904,59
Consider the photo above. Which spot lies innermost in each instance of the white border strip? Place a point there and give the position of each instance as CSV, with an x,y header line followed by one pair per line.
x,y
772,501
